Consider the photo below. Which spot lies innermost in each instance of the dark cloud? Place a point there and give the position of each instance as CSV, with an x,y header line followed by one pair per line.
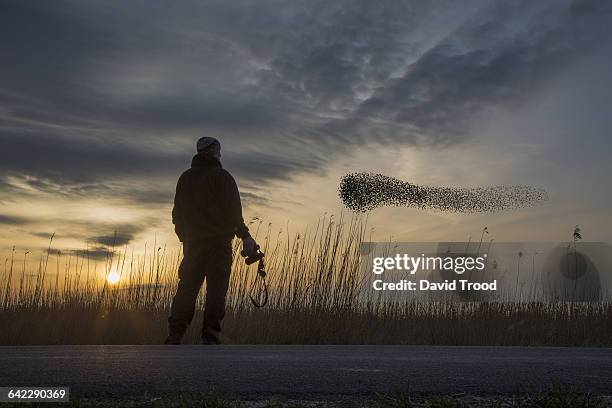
x,y
249,198
132,191
107,234
54,251
120,236
499,57
91,67
260,167
106,100
99,234
94,254
45,235
82,168
12,220
57,159
113,240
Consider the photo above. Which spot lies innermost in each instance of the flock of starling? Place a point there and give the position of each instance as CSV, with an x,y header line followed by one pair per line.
x,y
363,192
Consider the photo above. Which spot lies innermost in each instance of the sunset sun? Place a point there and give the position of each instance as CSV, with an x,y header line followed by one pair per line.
x,y
113,278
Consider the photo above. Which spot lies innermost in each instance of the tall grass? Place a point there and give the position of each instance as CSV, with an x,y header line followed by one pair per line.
x,y
317,295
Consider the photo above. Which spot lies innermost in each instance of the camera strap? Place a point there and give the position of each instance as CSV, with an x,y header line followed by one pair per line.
x,y
259,287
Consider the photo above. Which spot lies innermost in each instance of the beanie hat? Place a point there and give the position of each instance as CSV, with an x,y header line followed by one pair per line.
x,y
206,142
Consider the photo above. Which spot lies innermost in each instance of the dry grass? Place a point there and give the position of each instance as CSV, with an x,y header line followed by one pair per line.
x,y
317,296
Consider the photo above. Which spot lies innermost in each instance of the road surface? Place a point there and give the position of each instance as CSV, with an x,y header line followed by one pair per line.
x,y
304,371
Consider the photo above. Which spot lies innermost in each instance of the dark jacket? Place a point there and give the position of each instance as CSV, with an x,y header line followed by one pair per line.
x,y
207,203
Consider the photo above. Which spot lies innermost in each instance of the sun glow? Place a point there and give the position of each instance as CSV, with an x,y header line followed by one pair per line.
x,y
113,278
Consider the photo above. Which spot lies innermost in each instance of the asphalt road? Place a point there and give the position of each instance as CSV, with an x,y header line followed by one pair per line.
x,y
304,371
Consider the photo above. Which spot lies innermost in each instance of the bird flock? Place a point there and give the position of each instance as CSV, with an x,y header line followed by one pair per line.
x,y
363,192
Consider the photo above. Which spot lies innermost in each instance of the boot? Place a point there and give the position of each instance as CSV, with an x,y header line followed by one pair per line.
x,y
210,338
173,339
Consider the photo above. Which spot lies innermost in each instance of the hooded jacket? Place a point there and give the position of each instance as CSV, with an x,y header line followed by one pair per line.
x,y
207,203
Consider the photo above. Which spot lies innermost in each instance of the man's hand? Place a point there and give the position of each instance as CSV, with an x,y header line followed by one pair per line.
x,y
249,247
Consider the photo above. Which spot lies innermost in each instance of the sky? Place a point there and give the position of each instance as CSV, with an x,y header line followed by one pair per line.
x,y
101,104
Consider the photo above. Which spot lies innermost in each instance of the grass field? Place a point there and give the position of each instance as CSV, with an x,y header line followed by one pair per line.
x,y
317,296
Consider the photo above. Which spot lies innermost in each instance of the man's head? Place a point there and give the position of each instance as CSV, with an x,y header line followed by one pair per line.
x,y
209,146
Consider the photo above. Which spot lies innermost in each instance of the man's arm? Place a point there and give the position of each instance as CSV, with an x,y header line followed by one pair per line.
x,y
234,206
232,200
177,219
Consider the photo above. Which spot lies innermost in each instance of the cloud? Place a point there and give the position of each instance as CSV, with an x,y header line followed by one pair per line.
x,y
52,159
249,198
122,235
105,100
113,240
99,234
491,61
94,254
13,220
54,251
81,168
45,235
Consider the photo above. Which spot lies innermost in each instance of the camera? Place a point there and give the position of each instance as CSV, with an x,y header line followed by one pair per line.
x,y
253,257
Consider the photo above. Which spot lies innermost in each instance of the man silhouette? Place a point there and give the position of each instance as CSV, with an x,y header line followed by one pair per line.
x,y
207,214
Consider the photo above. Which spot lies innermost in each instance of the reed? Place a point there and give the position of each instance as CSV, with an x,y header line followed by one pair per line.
x,y
317,295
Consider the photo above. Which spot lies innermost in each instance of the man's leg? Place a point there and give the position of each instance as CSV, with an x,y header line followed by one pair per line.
x,y
218,270
191,277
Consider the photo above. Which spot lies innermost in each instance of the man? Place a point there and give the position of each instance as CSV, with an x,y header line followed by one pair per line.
x,y
207,215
